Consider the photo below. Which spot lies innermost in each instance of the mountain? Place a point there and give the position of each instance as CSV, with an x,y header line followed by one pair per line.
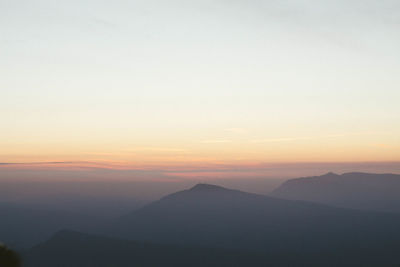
x,y
213,216
74,249
366,191
23,226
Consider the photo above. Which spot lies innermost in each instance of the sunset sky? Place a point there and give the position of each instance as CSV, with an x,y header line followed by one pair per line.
x,y
203,83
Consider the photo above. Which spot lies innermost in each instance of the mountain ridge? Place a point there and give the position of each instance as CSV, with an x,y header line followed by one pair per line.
x,y
234,219
356,190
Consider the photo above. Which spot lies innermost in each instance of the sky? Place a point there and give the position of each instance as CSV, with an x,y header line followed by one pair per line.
x,y
171,84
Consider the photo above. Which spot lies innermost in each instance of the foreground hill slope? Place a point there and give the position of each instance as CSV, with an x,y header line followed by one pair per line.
x,y
209,215
73,249
379,192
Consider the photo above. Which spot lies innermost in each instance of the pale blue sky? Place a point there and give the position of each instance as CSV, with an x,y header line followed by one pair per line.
x,y
178,74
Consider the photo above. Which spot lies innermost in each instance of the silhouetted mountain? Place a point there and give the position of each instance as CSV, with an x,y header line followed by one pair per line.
x,y
73,249
213,216
23,227
379,192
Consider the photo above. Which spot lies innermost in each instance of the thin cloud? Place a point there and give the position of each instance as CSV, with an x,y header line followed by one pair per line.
x,y
290,139
357,133
44,162
277,140
161,149
216,141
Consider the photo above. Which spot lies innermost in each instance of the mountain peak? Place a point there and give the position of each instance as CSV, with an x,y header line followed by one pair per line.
x,y
331,174
206,187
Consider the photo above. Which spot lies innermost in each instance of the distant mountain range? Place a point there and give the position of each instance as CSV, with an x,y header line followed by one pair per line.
x,y
365,191
209,225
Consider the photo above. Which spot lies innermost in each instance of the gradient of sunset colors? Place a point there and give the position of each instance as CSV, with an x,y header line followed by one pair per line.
x,y
201,83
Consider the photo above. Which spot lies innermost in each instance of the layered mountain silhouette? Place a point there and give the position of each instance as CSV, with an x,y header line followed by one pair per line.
x,y
379,192
209,225
214,216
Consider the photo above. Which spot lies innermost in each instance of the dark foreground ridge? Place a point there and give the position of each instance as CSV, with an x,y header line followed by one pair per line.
x,y
73,249
69,248
8,257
